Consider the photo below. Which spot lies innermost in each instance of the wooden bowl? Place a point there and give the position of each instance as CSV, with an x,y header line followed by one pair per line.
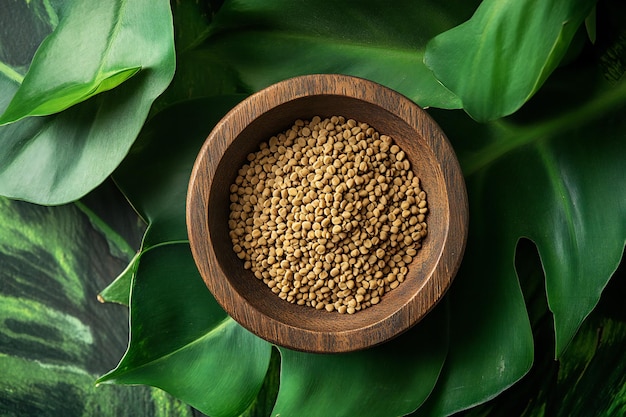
x,y
271,111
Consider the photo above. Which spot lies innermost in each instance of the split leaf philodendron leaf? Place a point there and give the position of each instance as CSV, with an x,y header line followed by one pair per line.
x,y
588,379
269,41
550,174
184,343
391,379
59,158
499,58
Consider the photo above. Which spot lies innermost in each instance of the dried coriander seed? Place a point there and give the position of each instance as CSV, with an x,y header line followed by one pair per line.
x,y
328,214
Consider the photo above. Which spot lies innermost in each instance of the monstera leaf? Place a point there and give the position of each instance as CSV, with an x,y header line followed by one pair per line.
x,y
59,158
548,175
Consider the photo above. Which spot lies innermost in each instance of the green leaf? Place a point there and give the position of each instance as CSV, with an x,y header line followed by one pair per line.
x,y
499,58
29,100
59,158
490,336
570,209
392,379
184,343
538,176
267,41
264,402
94,48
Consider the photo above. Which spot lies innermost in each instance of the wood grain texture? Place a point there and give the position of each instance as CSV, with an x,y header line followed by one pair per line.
x,y
268,112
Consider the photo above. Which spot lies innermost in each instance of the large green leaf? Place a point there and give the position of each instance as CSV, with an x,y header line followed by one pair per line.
x,y
392,379
94,48
55,338
59,158
184,343
267,41
500,57
550,175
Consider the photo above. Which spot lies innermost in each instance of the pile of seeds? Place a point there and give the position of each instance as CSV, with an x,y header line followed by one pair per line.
x,y
328,214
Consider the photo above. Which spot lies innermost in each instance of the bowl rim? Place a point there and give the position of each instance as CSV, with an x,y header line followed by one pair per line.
x,y
253,108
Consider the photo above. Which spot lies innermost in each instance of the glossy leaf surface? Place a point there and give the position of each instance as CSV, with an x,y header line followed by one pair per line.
x,y
499,58
534,176
268,41
392,379
183,342
59,158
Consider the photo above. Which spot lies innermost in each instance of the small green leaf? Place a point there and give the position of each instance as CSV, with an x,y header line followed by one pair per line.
x,y
392,379
266,43
500,57
184,343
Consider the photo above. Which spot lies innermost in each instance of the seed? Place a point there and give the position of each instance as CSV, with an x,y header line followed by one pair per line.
x,y
328,214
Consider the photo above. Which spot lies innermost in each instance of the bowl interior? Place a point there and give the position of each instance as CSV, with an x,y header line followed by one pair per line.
x,y
424,164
